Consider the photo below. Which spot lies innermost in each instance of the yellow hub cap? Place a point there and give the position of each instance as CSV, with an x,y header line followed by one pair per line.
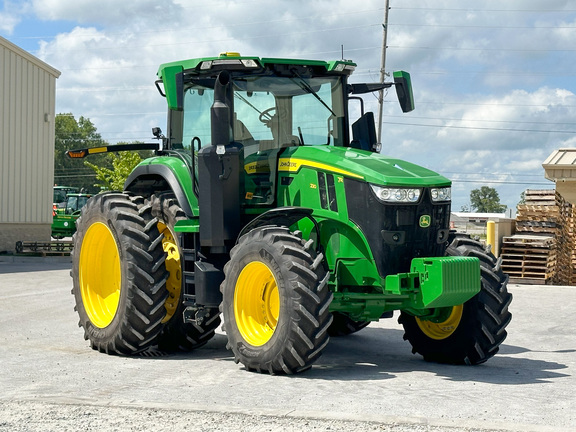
x,y
100,275
174,268
443,329
256,303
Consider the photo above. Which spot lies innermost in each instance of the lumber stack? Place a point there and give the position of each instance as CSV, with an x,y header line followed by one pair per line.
x,y
542,251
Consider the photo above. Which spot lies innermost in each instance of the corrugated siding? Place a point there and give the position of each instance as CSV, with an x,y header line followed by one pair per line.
x,y
27,95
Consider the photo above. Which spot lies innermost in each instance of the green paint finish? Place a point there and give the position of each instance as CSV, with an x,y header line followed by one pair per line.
x,y
180,171
196,64
362,306
447,281
438,282
64,225
433,284
188,225
169,76
359,272
371,167
346,250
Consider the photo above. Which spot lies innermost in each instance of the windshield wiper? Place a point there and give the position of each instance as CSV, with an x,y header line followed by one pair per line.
x,y
308,89
243,99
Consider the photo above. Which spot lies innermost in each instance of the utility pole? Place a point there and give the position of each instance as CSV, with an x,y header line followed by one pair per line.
x,y
383,67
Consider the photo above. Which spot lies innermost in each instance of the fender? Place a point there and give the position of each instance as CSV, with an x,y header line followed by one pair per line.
x,y
284,216
161,174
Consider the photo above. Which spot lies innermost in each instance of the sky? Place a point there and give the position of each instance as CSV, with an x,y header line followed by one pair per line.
x,y
494,81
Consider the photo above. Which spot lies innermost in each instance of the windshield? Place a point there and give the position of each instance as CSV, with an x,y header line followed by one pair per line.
x,y
270,112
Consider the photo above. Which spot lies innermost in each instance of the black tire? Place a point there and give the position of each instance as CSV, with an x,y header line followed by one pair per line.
x,y
343,325
118,274
177,335
277,285
482,324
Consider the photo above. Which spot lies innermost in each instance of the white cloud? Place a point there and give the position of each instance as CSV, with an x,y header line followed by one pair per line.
x,y
7,22
11,15
106,12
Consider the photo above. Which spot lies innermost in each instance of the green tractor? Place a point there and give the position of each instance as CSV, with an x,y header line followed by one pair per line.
x,y
266,206
65,214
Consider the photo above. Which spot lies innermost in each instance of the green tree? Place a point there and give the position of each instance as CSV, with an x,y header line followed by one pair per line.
x,y
486,200
522,198
75,134
122,165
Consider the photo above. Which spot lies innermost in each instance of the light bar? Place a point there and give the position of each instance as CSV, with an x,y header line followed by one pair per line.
x,y
441,194
396,195
247,63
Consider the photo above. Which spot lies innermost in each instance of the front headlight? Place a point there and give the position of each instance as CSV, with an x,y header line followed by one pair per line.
x,y
441,194
396,195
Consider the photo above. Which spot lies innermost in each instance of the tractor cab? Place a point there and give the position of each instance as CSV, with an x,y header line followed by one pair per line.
x,y
73,203
268,113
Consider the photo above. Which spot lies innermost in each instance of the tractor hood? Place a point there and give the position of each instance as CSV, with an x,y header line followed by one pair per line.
x,y
362,165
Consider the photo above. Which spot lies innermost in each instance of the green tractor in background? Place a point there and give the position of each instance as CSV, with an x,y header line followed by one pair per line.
x,y
65,214
267,206
60,193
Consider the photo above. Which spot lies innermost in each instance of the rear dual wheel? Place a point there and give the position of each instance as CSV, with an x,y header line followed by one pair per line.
x,y
118,274
177,334
127,275
275,302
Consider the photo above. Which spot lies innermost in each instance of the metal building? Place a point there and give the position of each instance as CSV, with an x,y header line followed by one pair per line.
x,y
27,105
560,167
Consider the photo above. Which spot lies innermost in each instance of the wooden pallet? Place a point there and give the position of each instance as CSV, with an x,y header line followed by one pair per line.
x,y
529,256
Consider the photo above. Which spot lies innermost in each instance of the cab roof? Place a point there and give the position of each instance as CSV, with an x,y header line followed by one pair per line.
x,y
235,60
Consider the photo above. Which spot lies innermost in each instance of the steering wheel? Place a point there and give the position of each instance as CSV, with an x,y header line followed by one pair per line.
x,y
266,116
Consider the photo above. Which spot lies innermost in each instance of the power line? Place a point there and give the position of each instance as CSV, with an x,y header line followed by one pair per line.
x,y
471,26
499,182
487,10
484,120
74,176
496,104
482,49
480,128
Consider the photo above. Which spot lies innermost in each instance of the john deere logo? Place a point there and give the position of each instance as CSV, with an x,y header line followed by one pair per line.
x,y
425,221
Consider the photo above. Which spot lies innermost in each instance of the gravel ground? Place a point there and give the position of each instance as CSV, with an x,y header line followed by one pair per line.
x,y
45,417
51,380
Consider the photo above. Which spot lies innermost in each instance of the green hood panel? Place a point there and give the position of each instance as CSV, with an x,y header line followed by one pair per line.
x,y
370,167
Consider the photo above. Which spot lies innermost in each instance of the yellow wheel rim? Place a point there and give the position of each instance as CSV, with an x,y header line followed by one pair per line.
x,y
443,329
256,303
100,275
174,268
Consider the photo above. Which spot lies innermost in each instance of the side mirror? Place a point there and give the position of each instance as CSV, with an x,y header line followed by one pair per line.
x,y
403,85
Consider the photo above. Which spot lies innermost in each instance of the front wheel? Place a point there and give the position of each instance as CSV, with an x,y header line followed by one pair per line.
x,y
470,333
276,302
